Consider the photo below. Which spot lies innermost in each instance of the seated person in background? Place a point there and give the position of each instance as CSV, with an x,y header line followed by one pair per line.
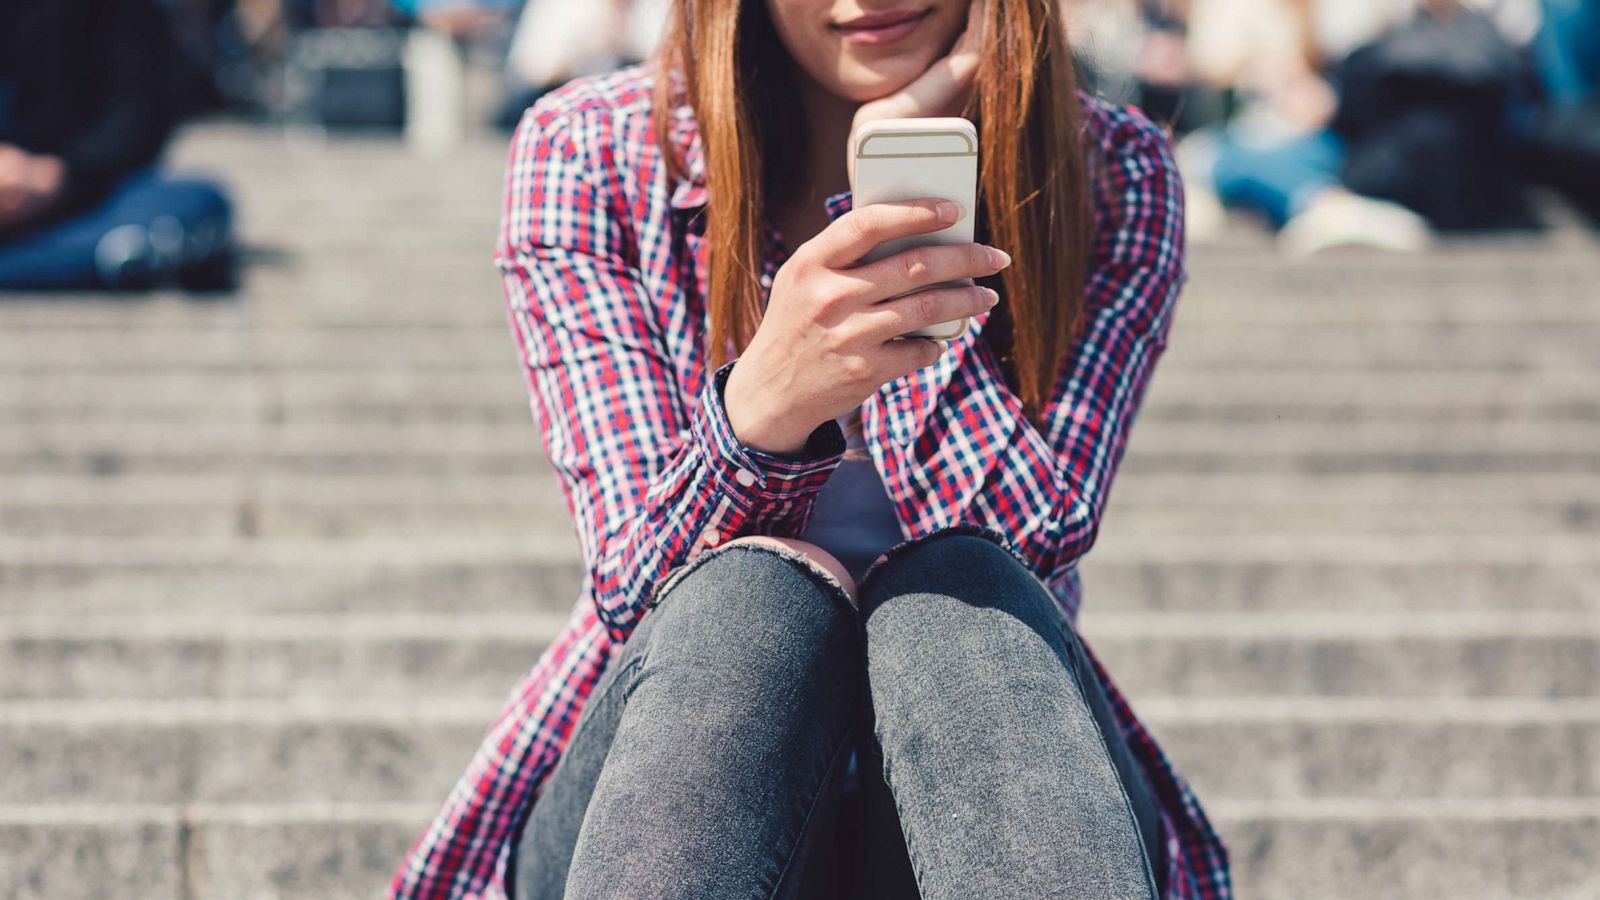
x,y
1279,155
558,40
1567,51
1564,137
460,19
85,109
1372,123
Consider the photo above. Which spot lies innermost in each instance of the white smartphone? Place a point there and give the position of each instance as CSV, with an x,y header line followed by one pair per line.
x,y
909,159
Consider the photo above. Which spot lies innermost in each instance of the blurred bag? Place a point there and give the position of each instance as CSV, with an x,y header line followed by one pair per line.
x,y
1421,110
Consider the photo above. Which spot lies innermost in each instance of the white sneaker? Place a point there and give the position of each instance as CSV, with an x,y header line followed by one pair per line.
x,y
1205,219
1338,218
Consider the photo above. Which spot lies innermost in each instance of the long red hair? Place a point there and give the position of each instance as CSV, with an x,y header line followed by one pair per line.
x,y
719,56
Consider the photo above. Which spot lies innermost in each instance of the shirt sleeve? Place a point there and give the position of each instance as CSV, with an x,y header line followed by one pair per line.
x,y
651,471
1046,489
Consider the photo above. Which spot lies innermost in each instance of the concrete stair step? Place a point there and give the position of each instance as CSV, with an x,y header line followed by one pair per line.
x,y
1392,346
1559,451
243,404
1376,345
254,518
425,283
55,349
1111,547
250,439
1403,850
444,415
399,657
1399,520
1355,491
336,750
248,518
516,461
367,505
413,577
1332,849
295,391
322,850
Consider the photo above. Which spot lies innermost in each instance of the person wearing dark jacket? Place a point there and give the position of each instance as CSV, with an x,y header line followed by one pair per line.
x,y
85,110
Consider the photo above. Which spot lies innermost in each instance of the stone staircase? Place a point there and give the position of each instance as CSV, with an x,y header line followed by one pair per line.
x,y
268,565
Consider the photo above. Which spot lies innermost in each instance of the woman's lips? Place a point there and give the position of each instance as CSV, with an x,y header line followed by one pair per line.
x,y
881,28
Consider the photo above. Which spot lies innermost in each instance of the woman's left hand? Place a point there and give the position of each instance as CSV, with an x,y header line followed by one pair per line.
x,y
30,185
943,90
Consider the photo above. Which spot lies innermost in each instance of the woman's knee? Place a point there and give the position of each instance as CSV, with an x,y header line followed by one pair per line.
x,y
954,590
814,555
762,603
960,563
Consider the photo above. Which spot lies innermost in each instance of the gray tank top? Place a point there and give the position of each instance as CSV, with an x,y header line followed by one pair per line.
x,y
853,517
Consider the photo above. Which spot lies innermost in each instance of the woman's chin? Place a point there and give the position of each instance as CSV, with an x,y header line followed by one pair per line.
x,y
864,87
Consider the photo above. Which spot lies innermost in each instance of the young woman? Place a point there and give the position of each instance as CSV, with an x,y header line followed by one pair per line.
x,y
793,673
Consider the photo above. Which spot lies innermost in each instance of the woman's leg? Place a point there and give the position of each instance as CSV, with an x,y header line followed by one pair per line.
x,y
709,758
1278,177
151,228
882,869
1010,777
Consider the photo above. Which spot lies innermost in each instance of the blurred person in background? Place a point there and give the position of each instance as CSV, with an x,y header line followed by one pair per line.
x,y
1278,156
1427,114
1567,51
1564,137
557,40
1369,122
551,41
86,106
1136,51
460,19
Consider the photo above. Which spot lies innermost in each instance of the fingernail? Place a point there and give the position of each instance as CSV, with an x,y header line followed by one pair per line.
x,y
950,212
999,257
994,296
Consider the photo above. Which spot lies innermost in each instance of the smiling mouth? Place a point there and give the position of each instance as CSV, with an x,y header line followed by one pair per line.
x,y
881,28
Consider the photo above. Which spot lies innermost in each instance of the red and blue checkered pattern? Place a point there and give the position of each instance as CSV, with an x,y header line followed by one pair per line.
x,y
604,263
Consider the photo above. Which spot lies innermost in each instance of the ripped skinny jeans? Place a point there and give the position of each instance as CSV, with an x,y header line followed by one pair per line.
x,y
757,736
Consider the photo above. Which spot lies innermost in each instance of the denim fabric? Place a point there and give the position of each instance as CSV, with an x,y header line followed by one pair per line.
x,y
150,228
1276,177
8,95
710,761
1566,50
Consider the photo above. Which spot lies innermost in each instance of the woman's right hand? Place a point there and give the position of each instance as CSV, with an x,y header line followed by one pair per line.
x,y
826,341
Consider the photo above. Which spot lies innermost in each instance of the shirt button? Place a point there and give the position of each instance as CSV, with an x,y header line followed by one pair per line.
x,y
745,477
711,537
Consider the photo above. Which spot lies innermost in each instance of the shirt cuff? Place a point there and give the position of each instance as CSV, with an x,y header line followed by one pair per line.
x,y
753,477
839,204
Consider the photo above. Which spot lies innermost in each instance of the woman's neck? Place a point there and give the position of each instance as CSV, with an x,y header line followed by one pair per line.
x,y
826,119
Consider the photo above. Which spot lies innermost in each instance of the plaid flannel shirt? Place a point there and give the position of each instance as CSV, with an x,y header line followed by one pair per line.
x,y
603,257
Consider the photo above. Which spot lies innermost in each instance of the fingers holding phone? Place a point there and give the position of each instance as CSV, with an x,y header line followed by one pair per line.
x,y
899,159
922,309
828,337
